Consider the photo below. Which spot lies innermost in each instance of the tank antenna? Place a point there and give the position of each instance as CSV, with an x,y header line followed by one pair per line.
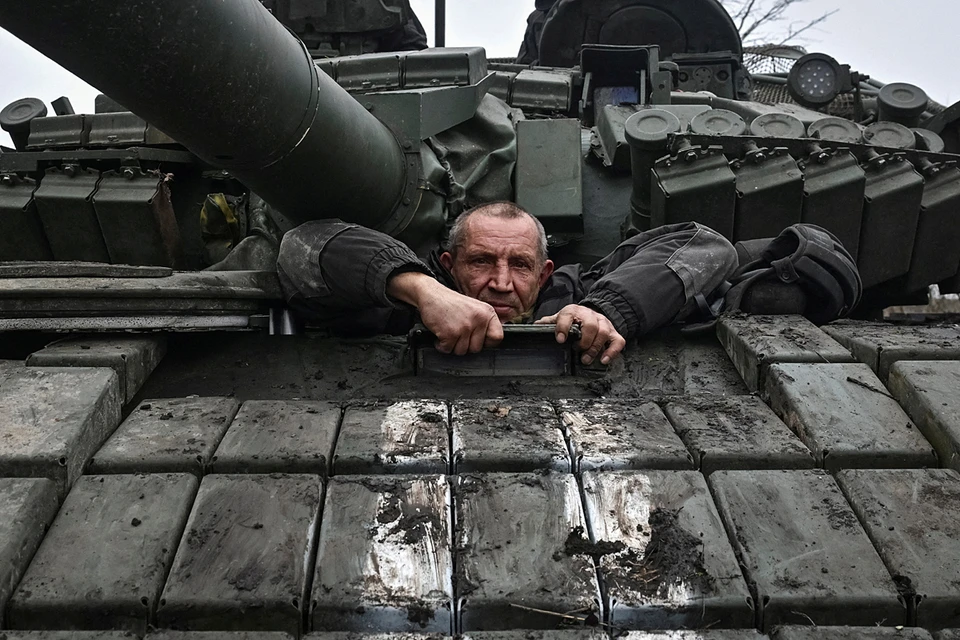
x,y
440,23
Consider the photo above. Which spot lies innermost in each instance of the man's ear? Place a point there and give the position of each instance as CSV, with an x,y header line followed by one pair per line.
x,y
446,259
546,272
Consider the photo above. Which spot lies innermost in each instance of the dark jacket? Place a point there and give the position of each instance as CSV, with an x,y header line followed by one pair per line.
x,y
336,274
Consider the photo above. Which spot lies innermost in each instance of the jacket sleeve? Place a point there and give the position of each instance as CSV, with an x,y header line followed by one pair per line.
x,y
336,273
655,277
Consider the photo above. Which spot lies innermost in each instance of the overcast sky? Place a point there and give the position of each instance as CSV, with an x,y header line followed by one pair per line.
x,y
894,41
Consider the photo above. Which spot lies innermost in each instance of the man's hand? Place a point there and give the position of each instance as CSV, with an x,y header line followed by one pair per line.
x,y
462,324
598,335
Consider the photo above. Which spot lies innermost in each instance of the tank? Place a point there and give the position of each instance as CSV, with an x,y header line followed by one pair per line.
x,y
181,453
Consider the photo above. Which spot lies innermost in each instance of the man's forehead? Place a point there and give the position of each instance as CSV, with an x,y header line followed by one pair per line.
x,y
485,229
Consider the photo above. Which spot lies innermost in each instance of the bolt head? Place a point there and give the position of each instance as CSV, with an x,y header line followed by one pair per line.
x,y
690,156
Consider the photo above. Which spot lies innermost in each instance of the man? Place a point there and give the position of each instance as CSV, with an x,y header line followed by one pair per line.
x,y
495,270
530,47
411,36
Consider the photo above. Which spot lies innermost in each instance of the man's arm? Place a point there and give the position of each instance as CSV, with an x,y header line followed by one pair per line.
x,y
336,273
359,280
654,278
648,281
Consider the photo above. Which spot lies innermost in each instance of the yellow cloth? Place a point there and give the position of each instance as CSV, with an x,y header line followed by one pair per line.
x,y
219,226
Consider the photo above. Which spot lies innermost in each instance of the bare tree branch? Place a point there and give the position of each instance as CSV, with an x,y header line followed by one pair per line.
x,y
744,13
768,21
795,32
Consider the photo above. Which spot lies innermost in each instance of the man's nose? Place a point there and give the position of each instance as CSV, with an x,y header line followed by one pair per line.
x,y
500,279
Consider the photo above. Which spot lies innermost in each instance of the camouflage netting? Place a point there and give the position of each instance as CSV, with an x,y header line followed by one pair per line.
x,y
773,93
776,60
771,58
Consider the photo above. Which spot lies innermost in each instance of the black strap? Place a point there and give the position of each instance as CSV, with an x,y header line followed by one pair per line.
x,y
831,303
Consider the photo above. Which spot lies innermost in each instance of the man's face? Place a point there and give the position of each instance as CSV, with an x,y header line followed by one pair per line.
x,y
499,264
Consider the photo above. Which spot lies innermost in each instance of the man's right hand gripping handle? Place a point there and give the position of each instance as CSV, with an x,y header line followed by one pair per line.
x,y
462,324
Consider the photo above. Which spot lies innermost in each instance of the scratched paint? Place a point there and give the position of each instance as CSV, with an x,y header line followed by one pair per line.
x,y
613,435
384,560
403,437
674,566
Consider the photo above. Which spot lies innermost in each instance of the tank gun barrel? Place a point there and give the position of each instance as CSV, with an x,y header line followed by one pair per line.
x,y
229,82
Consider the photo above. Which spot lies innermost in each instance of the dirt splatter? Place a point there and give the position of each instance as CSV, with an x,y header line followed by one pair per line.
x,y
789,583
248,579
905,586
840,516
600,387
411,522
577,544
462,584
672,556
947,496
501,411
417,526
473,483
390,510
534,478
420,614
490,433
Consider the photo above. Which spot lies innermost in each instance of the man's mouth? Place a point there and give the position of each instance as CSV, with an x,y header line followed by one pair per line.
x,y
506,312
